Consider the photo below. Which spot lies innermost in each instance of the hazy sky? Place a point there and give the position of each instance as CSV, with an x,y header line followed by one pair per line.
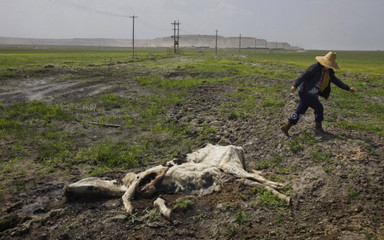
x,y
312,24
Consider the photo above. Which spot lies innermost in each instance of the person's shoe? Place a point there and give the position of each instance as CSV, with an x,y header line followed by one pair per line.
x,y
285,128
319,128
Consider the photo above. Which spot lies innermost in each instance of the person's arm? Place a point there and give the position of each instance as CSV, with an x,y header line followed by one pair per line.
x,y
303,77
340,83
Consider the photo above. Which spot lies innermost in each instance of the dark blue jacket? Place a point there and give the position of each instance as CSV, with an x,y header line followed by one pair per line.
x,y
312,75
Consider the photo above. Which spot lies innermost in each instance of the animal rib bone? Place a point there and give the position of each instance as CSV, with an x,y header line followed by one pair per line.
x,y
143,184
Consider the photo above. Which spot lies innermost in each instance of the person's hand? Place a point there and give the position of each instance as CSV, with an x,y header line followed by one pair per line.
x,y
293,89
352,90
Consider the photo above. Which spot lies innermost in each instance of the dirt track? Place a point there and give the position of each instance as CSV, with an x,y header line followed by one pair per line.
x,y
342,198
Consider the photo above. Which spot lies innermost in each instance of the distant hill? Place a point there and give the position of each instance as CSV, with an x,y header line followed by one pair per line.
x,y
198,41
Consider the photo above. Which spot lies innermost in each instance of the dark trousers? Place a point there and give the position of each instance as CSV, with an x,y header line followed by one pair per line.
x,y
308,100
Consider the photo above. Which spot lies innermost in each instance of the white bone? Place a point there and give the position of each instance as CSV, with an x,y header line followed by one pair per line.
x,y
95,187
164,210
146,190
272,190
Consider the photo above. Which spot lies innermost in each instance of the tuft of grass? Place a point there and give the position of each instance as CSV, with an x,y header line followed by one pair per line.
x,y
308,139
165,83
279,219
360,126
234,115
152,216
295,146
113,154
266,198
111,100
7,74
273,163
321,157
352,193
231,230
14,115
183,204
54,145
43,111
240,217
272,103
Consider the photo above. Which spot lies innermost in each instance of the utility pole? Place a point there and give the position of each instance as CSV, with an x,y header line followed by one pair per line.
x,y
239,43
133,35
216,41
176,36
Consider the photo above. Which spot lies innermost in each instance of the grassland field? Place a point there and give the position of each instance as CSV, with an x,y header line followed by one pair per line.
x,y
70,113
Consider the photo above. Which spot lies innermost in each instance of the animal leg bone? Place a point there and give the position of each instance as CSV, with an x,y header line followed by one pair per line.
x,y
128,196
164,210
279,195
256,175
269,188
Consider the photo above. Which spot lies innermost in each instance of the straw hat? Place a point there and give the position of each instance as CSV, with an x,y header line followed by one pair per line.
x,y
328,60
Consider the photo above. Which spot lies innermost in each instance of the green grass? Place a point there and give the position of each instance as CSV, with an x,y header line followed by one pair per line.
x,y
364,70
275,162
363,104
268,199
183,204
16,114
240,217
232,229
258,81
352,193
321,157
54,144
18,57
295,146
33,123
112,154
169,83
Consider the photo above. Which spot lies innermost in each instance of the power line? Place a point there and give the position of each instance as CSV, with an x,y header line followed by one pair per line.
x,y
150,25
83,8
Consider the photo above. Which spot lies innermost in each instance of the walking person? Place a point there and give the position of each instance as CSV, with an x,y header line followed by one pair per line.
x,y
315,82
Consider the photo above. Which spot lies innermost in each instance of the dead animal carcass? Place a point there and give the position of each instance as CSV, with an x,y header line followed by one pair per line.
x,y
201,172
